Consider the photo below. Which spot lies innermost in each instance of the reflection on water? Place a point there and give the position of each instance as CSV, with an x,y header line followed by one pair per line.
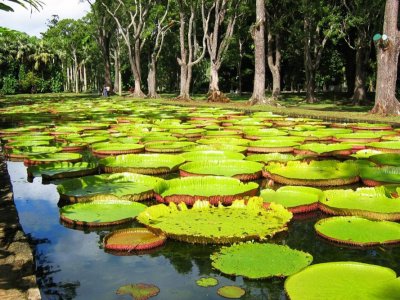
x,y
71,263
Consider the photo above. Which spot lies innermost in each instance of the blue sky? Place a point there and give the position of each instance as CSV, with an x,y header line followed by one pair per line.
x,y
33,23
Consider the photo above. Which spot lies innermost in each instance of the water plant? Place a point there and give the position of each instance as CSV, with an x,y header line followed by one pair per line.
x,y
139,291
211,155
206,224
207,281
358,231
258,261
150,164
133,239
315,173
215,189
240,169
297,199
47,158
124,186
343,280
231,292
59,170
371,203
101,213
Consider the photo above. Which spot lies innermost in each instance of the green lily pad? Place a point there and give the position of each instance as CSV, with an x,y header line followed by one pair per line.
x,y
241,169
62,170
116,148
167,147
358,231
273,145
207,282
343,280
371,203
211,155
390,146
212,188
365,153
139,291
101,213
315,173
224,140
257,261
218,225
297,199
373,175
53,157
216,147
133,239
387,159
320,148
119,186
142,163
274,157
231,292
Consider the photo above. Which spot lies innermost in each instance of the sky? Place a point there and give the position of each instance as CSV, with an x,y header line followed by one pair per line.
x,y
33,23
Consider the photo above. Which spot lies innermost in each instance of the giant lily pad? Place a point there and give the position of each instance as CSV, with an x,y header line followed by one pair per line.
x,y
101,213
343,280
240,169
218,225
24,152
390,146
53,157
257,261
106,149
275,157
273,145
387,159
297,199
212,188
211,155
62,170
371,203
373,175
323,149
358,231
207,282
315,173
124,186
231,292
167,147
139,291
133,239
216,147
142,163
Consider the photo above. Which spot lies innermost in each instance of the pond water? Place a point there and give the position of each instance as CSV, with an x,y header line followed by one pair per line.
x,y
71,264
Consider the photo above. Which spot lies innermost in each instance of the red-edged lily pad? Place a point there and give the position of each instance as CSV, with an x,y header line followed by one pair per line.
x,y
139,291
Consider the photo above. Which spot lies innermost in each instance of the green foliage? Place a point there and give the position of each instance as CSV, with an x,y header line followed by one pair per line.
x,y
207,282
343,280
257,261
9,85
208,224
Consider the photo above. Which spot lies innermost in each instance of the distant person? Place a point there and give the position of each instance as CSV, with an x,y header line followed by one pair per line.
x,y
105,91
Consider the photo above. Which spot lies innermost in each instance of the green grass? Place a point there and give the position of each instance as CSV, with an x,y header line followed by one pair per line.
x,y
330,107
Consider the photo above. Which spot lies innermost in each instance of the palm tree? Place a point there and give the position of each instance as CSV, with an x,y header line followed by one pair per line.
x,y
36,4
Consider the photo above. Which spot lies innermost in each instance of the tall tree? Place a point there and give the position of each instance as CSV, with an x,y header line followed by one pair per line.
x,y
218,41
190,51
131,21
388,50
258,34
320,23
361,21
105,29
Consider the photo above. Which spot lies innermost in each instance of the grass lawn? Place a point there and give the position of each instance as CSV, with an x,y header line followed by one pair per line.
x,y
330,107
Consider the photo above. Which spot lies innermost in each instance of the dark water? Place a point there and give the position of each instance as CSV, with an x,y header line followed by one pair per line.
x,y
71,264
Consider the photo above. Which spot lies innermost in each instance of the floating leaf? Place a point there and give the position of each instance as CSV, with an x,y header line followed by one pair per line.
x,y
207,282
231,292
139,291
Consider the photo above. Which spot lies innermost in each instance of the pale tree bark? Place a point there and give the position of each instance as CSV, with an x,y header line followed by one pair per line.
x,y
132,34
387,58
225,12
258,33
274,61
360,91
190,51
117,69
160,32
239,67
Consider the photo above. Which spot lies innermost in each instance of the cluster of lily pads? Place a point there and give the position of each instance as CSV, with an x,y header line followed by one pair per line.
x,y
200,165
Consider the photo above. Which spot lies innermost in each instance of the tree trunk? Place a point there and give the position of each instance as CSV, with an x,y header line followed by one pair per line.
x,y
84,78
274,64
239,68
310,84
151,79
116,71
258,33
387,58
360,93
214,94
